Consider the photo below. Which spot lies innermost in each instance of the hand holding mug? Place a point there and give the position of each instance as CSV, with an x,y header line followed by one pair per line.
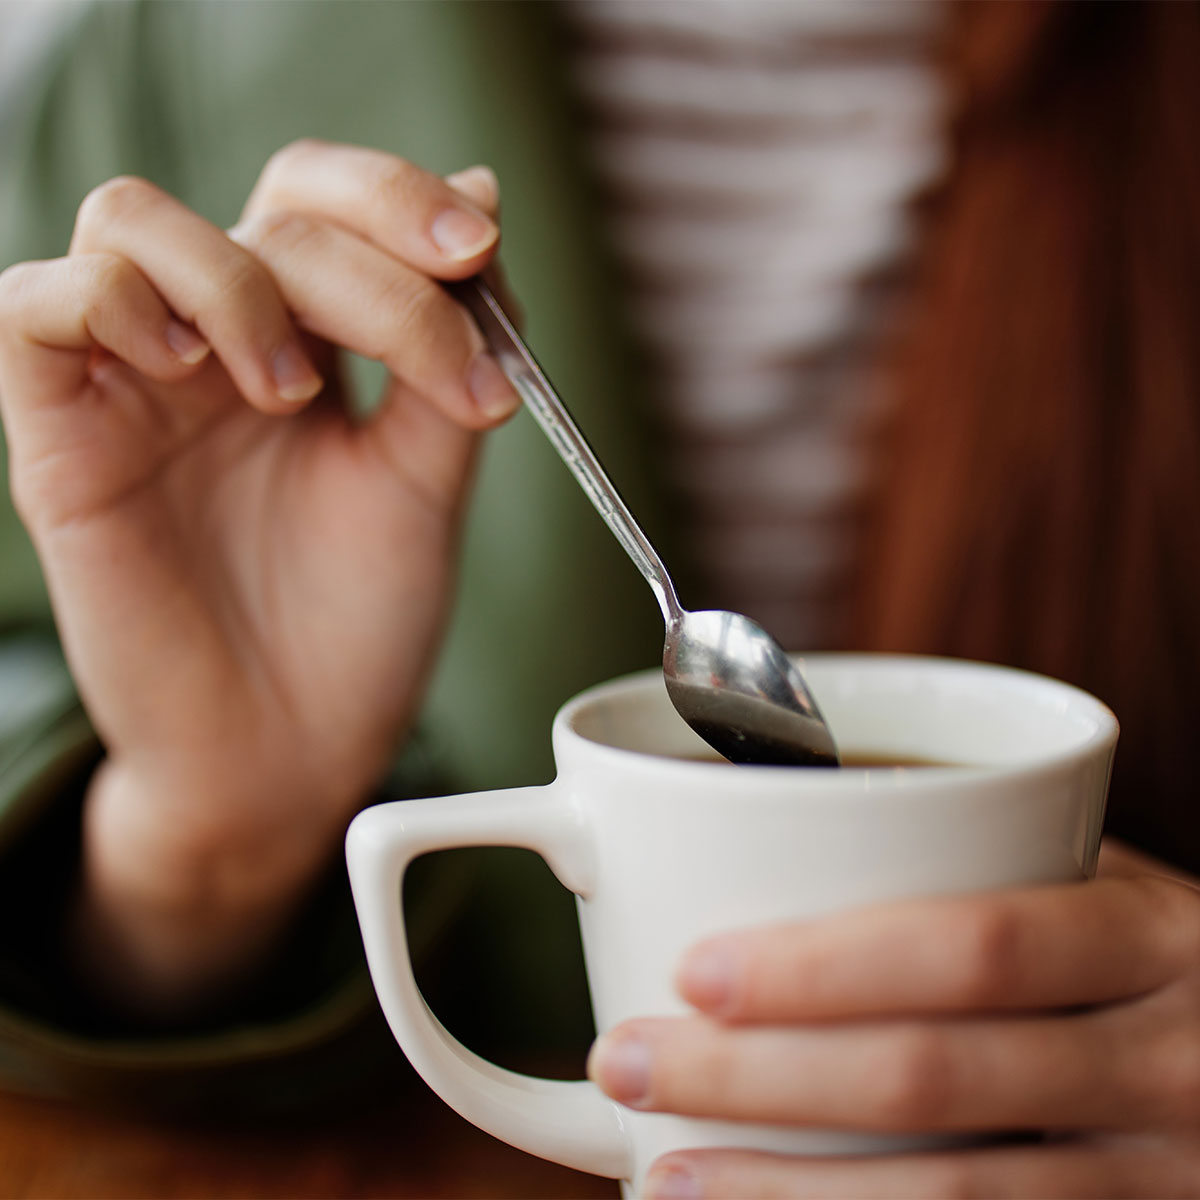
x,y
1066,1009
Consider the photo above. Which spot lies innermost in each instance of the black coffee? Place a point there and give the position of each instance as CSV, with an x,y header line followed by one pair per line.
x,y
852,758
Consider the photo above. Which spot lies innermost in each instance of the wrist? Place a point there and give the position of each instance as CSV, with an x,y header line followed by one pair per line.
x,y
184,842
181,896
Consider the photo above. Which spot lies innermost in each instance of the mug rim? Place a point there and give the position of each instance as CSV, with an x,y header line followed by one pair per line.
x,y
854,778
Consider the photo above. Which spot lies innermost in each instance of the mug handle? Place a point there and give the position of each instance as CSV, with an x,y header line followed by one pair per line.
x,y
572,1123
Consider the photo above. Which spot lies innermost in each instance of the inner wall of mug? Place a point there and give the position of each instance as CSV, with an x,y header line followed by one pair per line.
x,y
963,713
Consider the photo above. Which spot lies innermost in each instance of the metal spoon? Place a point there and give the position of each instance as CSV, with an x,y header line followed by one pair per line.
x,y
727,677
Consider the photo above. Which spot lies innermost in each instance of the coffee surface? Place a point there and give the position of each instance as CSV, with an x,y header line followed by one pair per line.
x,y
851,758
866,759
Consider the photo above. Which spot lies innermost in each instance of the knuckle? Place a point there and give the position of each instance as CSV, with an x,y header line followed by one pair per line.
x,y
113,201
761,989
914,1082
420,309
281,230
691,1070
107,274
986,948
285,158
709,1078
394,186
244,285
107,278
774,974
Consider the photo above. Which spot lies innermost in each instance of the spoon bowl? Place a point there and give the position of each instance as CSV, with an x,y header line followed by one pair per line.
x,y
734,685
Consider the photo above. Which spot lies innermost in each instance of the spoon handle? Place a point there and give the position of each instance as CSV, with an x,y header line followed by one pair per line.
x,y
551,414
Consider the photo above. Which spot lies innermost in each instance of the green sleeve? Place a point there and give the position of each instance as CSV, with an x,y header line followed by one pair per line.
x,y
305,1033
196,96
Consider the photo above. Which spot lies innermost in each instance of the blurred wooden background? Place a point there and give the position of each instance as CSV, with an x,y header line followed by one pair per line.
x,y
53,1151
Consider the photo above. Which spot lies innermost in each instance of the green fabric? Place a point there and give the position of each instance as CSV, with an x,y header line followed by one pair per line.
x,y
311,1005
196,96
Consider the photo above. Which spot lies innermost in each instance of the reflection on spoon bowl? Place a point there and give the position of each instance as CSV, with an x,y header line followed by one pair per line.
x,y
734,685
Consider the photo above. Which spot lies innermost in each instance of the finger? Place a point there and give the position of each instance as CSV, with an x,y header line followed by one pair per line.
x,y
1103,1170
53,313
351,292
1039,947
480,186
413,214
208,280
1118,858
950,1076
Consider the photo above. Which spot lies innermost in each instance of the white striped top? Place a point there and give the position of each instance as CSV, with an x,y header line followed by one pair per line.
x,y
758,158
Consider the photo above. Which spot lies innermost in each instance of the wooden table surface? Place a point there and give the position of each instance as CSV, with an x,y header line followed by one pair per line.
x,y
56,1151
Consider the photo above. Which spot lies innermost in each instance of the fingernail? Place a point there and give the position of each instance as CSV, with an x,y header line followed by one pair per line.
x,y
459,233
707,976
620,1064
672,1183
478,184
494,396
188,345
295,378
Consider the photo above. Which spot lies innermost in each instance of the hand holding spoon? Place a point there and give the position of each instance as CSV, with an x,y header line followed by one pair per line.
x,y
727,677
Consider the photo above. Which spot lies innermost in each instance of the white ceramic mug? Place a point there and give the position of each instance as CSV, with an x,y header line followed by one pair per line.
x,y
661,852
